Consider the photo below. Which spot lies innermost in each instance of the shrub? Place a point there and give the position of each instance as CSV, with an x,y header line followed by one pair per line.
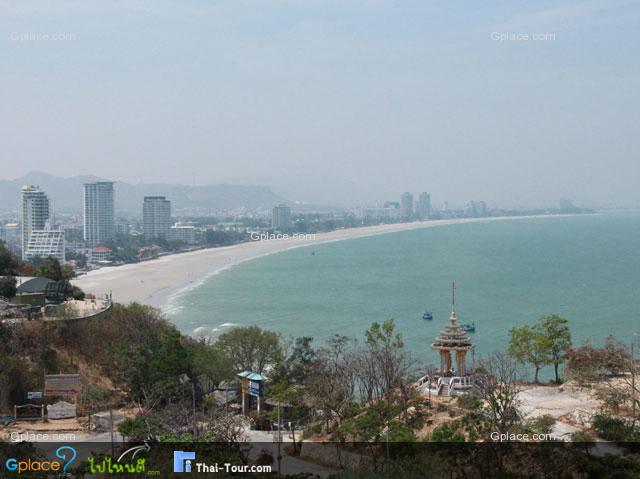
x,y
542,424
469,401
614,429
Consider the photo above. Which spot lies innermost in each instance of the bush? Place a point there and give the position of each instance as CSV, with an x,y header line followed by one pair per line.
x,y
77,293
582,436
615,429
447,432
543,424
469,401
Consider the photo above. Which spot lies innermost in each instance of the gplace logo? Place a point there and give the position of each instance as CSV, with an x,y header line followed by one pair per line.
x,y
66,453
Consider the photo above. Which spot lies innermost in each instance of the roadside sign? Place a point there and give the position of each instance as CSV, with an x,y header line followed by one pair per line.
x,y
255,388
34,395
61,384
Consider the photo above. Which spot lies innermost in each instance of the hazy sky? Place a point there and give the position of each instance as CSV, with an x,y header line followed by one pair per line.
x,y
389,95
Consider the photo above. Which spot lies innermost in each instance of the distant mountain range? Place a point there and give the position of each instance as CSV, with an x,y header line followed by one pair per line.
x,y
66,194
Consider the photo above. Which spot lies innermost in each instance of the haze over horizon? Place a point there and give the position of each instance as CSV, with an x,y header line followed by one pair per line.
x,y
352,101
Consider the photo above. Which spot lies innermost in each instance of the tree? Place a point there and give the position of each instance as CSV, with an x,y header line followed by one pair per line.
x,y
296,366
529,345
556,330
52,269
211,363
9,263
499,388
251,348
332,384
384,366
8,287
588,363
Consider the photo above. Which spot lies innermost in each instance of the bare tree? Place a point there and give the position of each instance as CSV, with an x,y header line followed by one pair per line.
x,y
499,388
332,387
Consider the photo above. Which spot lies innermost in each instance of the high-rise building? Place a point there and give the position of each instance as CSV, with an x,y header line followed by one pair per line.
x,y
156,217
34,213
424,206
45,243
98,212
406,205
281,217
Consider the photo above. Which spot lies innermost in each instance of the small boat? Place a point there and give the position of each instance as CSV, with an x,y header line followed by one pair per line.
x,y
427,315
469,327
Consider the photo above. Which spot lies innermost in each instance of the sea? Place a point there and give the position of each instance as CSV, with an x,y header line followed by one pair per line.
x,y
509,273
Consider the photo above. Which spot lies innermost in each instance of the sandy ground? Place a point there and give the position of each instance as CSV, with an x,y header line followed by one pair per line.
x,y
154,282
572,407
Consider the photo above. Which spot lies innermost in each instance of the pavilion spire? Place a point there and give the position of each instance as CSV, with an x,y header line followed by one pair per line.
x,y
453,298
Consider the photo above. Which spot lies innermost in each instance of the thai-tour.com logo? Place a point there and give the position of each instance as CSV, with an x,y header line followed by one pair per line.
x,y
184,461
66,454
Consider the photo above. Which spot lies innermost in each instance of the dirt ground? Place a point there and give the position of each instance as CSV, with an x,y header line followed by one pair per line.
x,y
571,406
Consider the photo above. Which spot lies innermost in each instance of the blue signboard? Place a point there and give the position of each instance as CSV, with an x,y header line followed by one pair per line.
x,y
255,388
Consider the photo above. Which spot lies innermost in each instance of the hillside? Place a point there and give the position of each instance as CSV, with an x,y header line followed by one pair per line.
x,y
66,194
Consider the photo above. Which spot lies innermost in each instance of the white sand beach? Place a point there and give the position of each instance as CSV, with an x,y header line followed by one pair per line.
x,y
153,282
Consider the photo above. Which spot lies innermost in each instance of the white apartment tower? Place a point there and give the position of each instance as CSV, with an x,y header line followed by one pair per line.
x,y
156,217
44,244
281,217
406,205
424,206
34,214
98,212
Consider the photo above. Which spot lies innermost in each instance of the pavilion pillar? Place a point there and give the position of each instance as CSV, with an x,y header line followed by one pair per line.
x,y
461,362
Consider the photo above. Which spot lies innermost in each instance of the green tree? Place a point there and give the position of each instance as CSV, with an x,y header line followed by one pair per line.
x,y
530,345
9,263
211,363
251,348
296,367
52,269
556,330
8,287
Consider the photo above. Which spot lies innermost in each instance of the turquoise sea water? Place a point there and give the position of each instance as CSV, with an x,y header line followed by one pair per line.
x,y
508,273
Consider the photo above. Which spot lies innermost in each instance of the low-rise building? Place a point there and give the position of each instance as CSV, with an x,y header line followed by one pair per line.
x,y
100,254
380,213
186,234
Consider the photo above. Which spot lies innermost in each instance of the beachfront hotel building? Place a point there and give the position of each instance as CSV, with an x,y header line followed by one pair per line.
x,y
44,244
34,213
183,233
281,217
406,205
380,213
156,217
98,212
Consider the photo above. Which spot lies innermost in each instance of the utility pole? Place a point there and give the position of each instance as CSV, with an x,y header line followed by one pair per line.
x,y
388,463
279,441
193,398
633,384
113,449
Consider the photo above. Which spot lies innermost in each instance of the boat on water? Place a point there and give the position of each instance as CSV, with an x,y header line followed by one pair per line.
x,y
427,315
469,327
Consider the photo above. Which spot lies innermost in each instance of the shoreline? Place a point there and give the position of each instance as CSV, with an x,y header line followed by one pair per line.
x,y
159,282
